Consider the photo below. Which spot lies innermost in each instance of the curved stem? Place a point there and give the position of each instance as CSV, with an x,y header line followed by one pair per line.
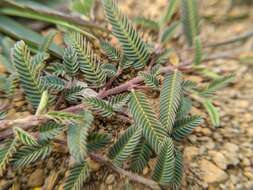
x,y
31,121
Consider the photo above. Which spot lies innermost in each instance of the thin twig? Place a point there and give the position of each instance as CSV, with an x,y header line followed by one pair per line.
x,y
234,39
132,176
107,162
109,83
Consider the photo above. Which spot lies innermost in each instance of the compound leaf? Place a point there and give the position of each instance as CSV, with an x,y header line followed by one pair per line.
x,y
170,99
125,145
145,118
133,46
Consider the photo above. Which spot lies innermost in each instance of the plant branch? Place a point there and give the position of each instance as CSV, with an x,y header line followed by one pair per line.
x,y
237,38
107,162
132,176
31,121
109,83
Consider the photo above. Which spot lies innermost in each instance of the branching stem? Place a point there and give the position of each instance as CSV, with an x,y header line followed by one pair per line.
x,y
31,121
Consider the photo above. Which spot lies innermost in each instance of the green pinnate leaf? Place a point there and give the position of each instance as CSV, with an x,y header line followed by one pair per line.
x,y
170,10
77,137
47,41
53,83
6,153
185,126
24,137
27,73
100,106
184,108
50,130
197,51
178,171
213,112
70,61
29,154
170,99
217,84
164,169
77,176
150,80
125,145
133,47
88,62
190,19
140,156
145,118
169,32
146,23
97,141
112,53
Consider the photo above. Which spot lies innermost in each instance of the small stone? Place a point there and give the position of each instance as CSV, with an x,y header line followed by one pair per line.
x,y
219,159
145,171
234,179
202,149
94,166
190,152
248,117
211,173
110,179
192,138
59,148
242,103
249,185
248,175
250,131
231,147
206,131
217,137
20,103
36,178
246,162
230,151
210,145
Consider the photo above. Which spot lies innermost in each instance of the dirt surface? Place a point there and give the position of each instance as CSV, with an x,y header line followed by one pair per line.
x,y
215,158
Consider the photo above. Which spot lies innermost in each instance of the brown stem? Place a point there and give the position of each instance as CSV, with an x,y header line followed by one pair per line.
x,y
132,176
237,38
121,88
25,123
109,83
31,121
107,162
